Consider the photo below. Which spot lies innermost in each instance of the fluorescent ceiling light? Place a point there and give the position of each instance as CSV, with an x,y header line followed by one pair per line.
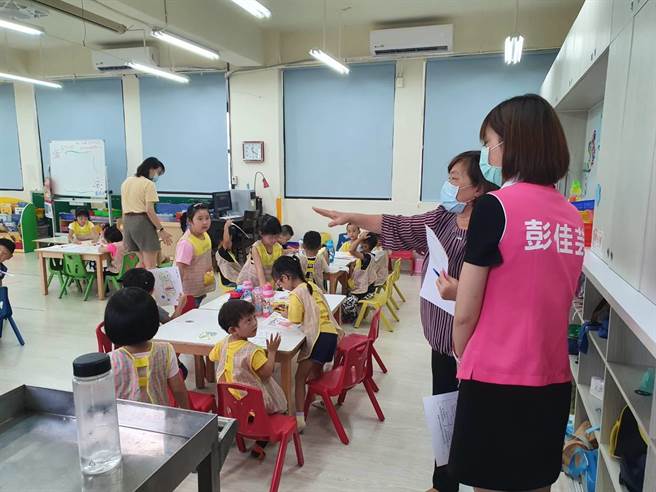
x,y
254,8
34,31
184,44
18,78
158,72
513,49
326,59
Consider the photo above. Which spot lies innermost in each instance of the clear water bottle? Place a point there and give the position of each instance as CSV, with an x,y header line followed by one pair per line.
x,y
95,410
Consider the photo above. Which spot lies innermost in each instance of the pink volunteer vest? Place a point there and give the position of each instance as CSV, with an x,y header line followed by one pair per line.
x,y
521,334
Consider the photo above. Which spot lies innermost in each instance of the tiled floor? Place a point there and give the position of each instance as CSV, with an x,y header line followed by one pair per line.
x,y
394,455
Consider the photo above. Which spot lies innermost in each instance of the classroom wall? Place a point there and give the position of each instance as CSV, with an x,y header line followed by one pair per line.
x,y
258,94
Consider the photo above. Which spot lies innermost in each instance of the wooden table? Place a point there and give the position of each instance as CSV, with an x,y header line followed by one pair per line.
x,y
198,331
52,240
87,252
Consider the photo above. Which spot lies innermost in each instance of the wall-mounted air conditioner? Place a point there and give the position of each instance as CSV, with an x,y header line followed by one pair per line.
x,y
113,60
412,40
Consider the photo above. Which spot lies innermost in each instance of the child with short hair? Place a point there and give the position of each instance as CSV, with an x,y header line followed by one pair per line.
x,y
240,361
82,229
226,259
313,262
7,248
353,231
286,233
193,254
143,369
308,307
113,244
263,254
362,276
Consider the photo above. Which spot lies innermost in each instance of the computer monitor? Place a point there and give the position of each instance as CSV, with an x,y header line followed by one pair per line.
x,y
222,202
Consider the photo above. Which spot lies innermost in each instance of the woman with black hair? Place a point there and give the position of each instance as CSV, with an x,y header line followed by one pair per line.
x,y
142,229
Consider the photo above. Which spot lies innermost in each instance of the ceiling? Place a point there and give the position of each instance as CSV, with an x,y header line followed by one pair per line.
x,y
292,15
222,25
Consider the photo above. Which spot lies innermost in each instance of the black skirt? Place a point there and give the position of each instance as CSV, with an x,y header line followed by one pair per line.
x,y
509,437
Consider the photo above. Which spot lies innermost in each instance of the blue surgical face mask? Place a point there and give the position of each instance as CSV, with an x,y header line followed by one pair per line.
x,y
490,172
449,198
155,178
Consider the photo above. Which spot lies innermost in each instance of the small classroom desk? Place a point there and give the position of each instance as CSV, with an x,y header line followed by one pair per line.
x,y
334,302
87,252
49,241
197,332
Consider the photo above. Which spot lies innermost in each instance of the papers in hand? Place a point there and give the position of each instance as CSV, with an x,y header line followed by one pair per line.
x,y
168,285
440,413
437,260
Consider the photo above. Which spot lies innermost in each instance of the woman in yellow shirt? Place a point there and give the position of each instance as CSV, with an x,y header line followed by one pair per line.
x,y
82,229
307,306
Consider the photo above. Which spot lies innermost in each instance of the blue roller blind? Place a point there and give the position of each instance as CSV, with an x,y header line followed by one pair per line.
x,y
459,93
339,132
11,177
185,126
85,109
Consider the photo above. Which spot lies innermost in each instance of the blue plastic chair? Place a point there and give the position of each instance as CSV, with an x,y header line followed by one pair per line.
x,y
6,314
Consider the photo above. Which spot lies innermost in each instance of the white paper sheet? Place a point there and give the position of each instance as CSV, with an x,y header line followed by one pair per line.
x,y
168,285
437,260
440,413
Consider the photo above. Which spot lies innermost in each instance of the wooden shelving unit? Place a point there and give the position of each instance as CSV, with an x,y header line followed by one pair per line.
x,y
621,360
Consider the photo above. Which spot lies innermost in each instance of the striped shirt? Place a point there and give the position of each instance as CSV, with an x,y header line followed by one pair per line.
x,y
408,233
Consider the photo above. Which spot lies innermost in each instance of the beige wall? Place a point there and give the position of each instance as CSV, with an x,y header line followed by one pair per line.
x,y
256,101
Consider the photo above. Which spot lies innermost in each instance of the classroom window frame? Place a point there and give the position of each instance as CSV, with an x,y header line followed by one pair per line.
x,y
284,138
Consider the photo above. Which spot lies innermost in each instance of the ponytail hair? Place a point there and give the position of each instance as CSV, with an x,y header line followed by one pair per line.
x,y
290,266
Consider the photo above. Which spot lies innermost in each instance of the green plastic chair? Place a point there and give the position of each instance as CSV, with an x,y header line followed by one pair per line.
x,y
75,271
130,261
55,267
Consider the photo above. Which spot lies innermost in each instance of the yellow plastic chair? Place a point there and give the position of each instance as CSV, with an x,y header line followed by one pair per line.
x,y
325,236
379,300
396,275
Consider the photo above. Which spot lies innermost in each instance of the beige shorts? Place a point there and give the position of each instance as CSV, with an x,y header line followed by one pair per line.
x,y
139,233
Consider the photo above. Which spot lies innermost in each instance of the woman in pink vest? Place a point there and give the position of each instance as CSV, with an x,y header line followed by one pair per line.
x,y
523,259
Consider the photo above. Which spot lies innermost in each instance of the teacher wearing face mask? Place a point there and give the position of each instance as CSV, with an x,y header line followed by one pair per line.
x,y
142,229
522,263
449,222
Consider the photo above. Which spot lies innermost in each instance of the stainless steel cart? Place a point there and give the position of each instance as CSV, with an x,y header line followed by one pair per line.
x,y
160,445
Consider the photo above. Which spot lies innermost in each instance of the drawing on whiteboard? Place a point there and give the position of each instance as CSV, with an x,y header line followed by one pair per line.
x,y
77,167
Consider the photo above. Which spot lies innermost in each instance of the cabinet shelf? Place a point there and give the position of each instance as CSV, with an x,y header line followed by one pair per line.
x,y
628,379
600,343
574,366
592,406
613,467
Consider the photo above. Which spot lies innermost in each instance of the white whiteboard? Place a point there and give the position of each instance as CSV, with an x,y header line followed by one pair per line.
x,y
77,168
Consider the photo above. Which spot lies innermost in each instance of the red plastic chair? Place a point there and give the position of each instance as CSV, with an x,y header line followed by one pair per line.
x,y
255,423
350,340
403,255
200,402
342,378
104,343
190,304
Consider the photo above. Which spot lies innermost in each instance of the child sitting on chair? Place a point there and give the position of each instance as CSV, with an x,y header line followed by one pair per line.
x,y
286,234
381,270
112,243
362,279
7,248
243,362
313,261
226,258
143,369
352,231
263,253
82,229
